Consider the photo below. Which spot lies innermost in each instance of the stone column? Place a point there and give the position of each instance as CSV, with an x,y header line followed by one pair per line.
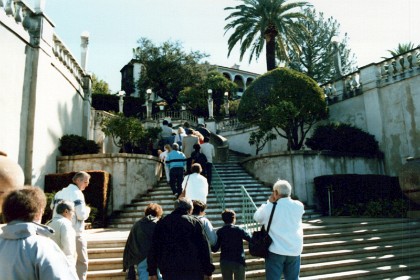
x,y
84,42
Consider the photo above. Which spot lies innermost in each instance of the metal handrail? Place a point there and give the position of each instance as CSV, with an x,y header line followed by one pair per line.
x,y
219,187
248,210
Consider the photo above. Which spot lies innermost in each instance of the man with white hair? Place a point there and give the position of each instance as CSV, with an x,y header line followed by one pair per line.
x,y
64,233
73,193
286,231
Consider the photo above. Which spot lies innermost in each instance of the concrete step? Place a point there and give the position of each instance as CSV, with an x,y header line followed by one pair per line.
x,y
376,247
108,274
105,252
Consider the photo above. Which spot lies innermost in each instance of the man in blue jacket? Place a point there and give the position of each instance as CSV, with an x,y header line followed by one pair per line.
x,y
176,161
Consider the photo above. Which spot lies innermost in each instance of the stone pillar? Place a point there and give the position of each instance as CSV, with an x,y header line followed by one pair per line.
x,y
210,103
87,101
84,42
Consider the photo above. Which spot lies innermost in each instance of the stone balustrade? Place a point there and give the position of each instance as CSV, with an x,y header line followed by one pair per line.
x,y
63,54
14,9
375,74
399,66
230,124
29,20
340,90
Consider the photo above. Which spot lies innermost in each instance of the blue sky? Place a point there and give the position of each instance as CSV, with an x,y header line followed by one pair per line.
x,y
373,26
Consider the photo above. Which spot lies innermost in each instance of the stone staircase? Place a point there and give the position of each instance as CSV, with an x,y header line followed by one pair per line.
x,y
334,248
232,175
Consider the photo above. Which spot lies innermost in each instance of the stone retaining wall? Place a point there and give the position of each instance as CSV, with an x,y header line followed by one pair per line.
x,y
301,167
131,174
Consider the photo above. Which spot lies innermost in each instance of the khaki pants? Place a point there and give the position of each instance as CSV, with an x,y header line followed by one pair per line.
x,y
82,257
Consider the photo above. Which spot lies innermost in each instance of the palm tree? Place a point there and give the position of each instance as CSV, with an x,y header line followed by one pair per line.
x,y
402,48
273,22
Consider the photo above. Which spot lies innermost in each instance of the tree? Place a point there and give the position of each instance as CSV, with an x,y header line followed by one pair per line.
x,y
99,86
317,55
342,137
285,101
124,131
260,138
196,97
401,48
167,69
270,22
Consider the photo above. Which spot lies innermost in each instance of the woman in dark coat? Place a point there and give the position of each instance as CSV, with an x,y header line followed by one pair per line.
x,y
138,243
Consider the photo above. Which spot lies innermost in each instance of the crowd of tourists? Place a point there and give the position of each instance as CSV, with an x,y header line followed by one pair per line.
x,y
30,250
177,246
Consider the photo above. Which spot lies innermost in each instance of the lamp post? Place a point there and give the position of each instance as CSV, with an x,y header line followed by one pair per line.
x,y
227,104
337,61
210,103
121,94
148,104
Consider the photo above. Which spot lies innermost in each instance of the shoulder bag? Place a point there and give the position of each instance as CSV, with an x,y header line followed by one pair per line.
x,y
182,195
260,240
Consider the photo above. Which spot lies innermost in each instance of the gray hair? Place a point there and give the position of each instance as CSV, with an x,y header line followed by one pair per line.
x,y
283,188
64,205
80,176
184,203
175,146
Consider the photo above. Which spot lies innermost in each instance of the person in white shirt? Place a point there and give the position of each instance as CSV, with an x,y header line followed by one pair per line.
x,y
73,193
208,150
64,233
162,157
179,136
286,231
196,184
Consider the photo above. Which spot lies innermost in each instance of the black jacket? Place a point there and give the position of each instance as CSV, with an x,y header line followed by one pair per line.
x,y
180,246
139,240
229,239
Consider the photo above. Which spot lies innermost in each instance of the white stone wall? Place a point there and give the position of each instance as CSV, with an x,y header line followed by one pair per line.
x,y
53,81
388,108
12,75
131,174
391,112
301,167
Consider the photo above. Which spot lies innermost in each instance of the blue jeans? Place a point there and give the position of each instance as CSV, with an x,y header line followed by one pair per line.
x,y
276,265
142,271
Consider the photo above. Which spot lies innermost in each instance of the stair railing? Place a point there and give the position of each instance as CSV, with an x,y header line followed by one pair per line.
x,y
218,187
248,210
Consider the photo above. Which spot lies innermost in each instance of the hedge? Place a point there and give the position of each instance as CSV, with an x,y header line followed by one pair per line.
x,y
355,189
97,194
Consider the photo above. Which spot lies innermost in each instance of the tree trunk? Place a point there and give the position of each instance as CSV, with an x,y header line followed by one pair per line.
x,y
270,51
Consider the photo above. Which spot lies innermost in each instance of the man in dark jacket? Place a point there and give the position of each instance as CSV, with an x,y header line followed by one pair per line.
x,y
139,240
179,246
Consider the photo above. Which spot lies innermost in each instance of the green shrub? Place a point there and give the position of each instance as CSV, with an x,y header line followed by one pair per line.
x,y
71,145
352,189
341,137
382,208
47,211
